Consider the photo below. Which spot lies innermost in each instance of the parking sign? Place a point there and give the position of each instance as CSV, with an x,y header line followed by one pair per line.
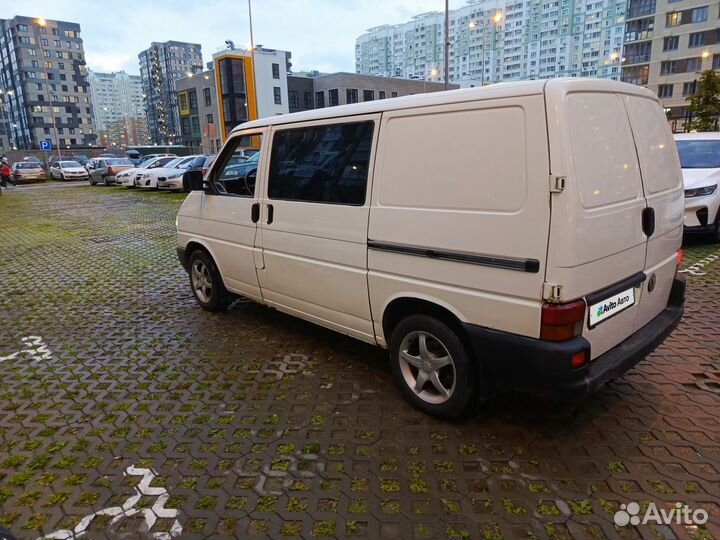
x,y
46,145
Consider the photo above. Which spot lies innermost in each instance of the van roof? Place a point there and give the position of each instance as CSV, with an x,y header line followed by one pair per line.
x,y
705,135
493,91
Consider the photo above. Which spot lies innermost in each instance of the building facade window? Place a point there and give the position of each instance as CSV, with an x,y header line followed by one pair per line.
x,y
673,19
333,97
696,39
207,96
307,100
381,94
293,101
210,119
700,14
368,95
665,91
671,43
716,61
277,96
276,71
689,88
351,95
667,67
693,64
393,94
319,100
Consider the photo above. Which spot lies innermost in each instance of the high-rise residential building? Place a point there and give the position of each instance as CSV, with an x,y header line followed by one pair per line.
x,y
250,85
501,40
42,65
119,109
199,115
160,66
668,44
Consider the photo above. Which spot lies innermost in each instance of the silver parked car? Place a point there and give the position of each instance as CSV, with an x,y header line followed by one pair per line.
x,y
104,170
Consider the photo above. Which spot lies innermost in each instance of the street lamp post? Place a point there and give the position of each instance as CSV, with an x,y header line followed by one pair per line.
x,y
447,44
495,19
42,23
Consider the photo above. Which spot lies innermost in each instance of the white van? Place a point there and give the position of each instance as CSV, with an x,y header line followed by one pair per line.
x,y
518,236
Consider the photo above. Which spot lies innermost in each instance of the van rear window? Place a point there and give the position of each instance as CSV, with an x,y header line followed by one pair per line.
x,y
322,164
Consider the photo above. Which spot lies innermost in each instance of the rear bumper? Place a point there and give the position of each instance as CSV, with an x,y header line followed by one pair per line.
x,y
511,362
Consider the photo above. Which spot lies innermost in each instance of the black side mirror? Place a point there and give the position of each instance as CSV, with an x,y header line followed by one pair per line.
x,y
193,181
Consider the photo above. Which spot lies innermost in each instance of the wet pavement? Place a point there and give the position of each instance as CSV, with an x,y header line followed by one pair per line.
x,y
128,412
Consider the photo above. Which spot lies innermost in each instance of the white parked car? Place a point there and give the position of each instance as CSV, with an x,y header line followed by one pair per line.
x,y
173,180
127,178
700,162
68,170
541,257
149,178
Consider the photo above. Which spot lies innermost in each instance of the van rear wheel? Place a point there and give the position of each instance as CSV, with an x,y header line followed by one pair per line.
x,y
206,284
431,366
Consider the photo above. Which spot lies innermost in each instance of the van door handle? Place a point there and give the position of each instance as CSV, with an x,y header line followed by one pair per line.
x,y
648,221
255,212
271,212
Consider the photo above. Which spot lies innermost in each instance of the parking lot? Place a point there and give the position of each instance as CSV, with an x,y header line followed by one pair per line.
x,y
128,412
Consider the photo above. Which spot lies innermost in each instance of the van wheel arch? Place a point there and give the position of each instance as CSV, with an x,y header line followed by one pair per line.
x,y
191,248
401,308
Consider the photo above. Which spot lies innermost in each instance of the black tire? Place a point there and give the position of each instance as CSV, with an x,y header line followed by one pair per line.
x,y
458,378
105,181
92,182
211,296
62,177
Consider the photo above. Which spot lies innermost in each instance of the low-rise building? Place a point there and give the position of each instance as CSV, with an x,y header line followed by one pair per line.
x,y
314,90
198,109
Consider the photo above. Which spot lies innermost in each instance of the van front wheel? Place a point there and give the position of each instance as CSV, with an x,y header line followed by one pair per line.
x,y
431,366
206,284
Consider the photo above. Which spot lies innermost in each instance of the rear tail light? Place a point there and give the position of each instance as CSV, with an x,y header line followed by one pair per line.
x,y
561,322
110,170
578,360
679,258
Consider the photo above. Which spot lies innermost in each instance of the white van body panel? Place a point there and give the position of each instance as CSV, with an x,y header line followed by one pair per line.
x,y
487,196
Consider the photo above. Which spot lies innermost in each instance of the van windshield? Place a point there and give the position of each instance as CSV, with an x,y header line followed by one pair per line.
x,y
698,154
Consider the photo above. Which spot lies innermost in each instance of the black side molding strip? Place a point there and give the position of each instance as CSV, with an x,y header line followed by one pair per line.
x,y
522,265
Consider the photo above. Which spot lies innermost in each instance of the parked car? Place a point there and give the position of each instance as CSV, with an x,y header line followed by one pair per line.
x,y
27,170
68,170
81,159
149,178
700,162
173,180
33,159
104,170
239,174
545,261
107,155
153,156
127,178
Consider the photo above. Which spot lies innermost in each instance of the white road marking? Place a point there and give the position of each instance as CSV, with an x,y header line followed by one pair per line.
x,y
127,509
696,268
34,347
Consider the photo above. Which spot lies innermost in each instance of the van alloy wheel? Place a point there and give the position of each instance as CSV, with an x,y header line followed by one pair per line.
x,y
201,280
432,367
427,367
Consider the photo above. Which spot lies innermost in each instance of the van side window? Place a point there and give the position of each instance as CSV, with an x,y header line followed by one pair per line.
x,y
322,164
236,173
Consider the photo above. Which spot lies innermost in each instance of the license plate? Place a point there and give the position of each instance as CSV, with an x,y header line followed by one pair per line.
x,y
611,306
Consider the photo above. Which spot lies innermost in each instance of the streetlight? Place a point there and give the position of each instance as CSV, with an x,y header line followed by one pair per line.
x,y
43,23
433,73
495,19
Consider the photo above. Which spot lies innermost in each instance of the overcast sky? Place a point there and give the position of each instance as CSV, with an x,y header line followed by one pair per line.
x,y
320,33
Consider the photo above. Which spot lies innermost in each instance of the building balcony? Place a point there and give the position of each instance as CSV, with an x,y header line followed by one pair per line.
x,y
638,36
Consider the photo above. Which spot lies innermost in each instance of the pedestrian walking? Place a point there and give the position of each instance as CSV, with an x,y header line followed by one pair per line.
x,y
5,173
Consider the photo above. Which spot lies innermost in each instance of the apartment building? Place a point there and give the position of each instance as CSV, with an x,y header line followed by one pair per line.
x,y
160,66
250,85
119,109
501,40
668,44
46,93
198,109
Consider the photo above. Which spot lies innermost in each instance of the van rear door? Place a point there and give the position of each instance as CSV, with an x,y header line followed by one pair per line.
x,y
663,185
597,246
